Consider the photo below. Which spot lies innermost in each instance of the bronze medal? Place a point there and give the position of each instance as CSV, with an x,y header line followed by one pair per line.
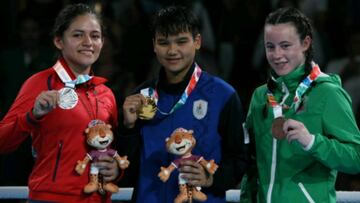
x,y
277,128
147,112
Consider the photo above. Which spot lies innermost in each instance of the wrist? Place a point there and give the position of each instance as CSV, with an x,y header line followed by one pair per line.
x,y
129,125
120,175
35,114
310,143
209,181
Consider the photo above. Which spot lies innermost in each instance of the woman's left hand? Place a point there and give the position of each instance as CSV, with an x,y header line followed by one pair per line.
x,y
195,174
296,130
108,168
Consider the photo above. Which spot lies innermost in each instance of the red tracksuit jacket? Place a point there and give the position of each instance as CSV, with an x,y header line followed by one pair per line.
x,y
57,138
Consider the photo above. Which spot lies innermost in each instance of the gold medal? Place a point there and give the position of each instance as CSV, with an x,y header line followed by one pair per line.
x,y
147,112
277,128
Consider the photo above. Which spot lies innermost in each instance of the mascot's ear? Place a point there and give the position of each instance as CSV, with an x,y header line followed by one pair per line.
x,y
87,130
109,126
191,132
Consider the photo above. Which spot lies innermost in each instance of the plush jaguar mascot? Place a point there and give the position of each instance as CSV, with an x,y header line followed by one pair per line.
x,y
99,136
181,142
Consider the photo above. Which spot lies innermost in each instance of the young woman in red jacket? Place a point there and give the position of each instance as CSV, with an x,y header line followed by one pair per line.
x,y
56,105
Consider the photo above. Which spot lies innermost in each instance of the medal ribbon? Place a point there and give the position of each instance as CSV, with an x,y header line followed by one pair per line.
x,y
299,92
69,97
150,92
66,79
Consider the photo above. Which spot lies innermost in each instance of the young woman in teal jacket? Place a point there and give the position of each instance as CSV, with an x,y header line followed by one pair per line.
x,y
300,122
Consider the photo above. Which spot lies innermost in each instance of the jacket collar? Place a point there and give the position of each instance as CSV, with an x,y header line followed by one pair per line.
x,y
291,80
177,88
95,80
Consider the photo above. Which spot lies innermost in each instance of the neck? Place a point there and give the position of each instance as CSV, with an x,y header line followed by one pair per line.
x,y
187,155
176,77
80,71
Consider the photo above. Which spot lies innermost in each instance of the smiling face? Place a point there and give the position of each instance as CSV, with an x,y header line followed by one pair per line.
x,y
81,43
99,136
176,53
284,49
181,143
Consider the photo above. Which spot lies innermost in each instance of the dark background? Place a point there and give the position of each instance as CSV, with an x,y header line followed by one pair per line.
x,y
232,49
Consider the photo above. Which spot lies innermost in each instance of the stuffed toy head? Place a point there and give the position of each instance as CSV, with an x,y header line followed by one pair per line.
x,y
180,142
99,135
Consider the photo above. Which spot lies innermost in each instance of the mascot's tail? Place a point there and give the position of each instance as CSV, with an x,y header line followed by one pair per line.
x,y
101,184
189,193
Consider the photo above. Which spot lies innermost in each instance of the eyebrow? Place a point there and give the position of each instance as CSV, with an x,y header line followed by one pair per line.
x,y
182,38
282,42
285,42
79,30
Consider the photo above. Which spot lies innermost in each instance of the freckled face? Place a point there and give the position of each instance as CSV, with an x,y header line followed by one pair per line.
x,y
284,49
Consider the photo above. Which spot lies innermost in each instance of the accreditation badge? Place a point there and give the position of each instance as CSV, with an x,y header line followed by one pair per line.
x,y
68,98
147,112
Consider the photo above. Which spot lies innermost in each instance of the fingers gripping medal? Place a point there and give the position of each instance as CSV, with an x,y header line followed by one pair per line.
x,y
277,128
67,98
147,112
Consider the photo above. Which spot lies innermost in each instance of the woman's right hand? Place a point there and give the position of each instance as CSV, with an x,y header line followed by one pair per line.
x,y
45,102
131,106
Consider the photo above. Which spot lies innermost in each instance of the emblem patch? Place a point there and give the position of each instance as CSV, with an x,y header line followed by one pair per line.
x,y
200,109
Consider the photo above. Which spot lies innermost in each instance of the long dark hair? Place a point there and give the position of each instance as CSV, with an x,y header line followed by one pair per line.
x,y
69,13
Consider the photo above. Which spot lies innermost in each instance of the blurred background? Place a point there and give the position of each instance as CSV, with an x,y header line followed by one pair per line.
x,y
232,48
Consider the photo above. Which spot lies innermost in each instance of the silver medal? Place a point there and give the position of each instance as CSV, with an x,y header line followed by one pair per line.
x,y
68,98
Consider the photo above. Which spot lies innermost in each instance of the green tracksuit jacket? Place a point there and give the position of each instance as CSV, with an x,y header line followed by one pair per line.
x,y
286,171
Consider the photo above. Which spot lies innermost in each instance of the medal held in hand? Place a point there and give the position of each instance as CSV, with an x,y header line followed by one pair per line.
x,y
68,98
277,128
147,112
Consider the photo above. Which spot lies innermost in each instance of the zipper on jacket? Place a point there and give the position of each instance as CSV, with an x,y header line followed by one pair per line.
x,y
60,146
273,170
307,195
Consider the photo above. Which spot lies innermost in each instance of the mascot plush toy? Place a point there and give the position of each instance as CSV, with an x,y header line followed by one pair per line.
x,y
181,142
99,136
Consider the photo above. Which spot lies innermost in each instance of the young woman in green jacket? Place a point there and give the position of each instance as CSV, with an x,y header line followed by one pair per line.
x,y
300,122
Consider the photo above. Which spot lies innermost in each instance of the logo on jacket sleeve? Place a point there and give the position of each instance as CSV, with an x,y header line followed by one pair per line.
x,y
200,108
